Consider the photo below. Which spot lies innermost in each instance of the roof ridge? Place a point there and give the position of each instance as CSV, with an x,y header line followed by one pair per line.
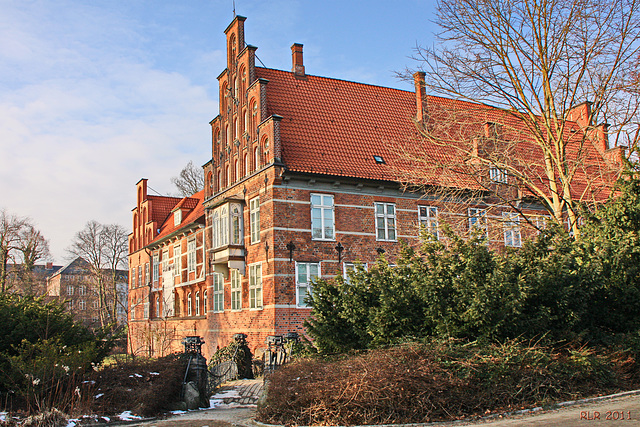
x,y
336,79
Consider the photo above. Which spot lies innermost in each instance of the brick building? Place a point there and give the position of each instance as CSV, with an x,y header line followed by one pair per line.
x,y
300,185
75,285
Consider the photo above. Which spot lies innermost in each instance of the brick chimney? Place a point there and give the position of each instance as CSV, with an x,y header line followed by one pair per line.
x,y
581,114
296,58
421,95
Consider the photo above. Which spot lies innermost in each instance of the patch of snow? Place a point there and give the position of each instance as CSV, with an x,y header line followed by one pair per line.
x,y
178,412
72,422
154,373
214,402
3,416
90,382
128,416
226,394
99,395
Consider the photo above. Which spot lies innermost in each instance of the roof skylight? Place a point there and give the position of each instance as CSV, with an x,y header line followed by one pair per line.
x,y
379,160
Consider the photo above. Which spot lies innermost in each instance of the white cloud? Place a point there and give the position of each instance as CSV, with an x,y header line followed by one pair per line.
x,y
79,126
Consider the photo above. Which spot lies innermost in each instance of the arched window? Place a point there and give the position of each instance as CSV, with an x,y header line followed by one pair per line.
x,y
235,129
158,311
205,302
223,99
189,305
256,158
265,150
228,135
219,180
210,182
197,303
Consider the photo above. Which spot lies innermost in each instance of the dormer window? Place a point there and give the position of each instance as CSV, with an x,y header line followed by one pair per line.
x,y
177,217
498,175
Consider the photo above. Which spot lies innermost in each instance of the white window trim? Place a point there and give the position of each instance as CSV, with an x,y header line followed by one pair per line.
x,y
498,175
308,284
218,293
254,302
198,303
177,260
323,211
478,221
511,226
156,268
254,219
385,218
189,305
236,290
429,222
191,255
348,266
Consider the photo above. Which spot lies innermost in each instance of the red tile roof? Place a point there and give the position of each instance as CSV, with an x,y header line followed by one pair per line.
x,y
161,207
194,214
336,127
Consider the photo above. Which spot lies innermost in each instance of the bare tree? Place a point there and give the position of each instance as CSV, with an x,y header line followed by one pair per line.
x,y
189,181
104,247
21,243
563,76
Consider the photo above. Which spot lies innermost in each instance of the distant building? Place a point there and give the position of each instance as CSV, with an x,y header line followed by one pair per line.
x,y
74,285
23,281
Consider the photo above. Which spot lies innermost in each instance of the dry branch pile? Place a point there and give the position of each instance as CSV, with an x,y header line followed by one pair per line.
x,y
415,383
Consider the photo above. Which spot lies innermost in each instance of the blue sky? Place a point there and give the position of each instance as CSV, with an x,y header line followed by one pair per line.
x,y
95,95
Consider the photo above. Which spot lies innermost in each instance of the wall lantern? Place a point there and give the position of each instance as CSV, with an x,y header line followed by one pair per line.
x,y
339,248
291,247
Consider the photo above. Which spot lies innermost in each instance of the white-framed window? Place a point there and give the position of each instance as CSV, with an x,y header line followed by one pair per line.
x,y
82,290
197,303
191,255
177,217
218,293
478,221
385,221
254,212
205,301
132,277
305,273
236,225
158,308
428,217
223,229
497,175
177,260
189,305
82,305
255,286
146,273
156,268
145,310
511,226
236,290
69,289
322,217
165,260
140,275
352,266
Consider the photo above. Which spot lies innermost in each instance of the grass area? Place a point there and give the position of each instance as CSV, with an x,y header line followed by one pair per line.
x,y
440,381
